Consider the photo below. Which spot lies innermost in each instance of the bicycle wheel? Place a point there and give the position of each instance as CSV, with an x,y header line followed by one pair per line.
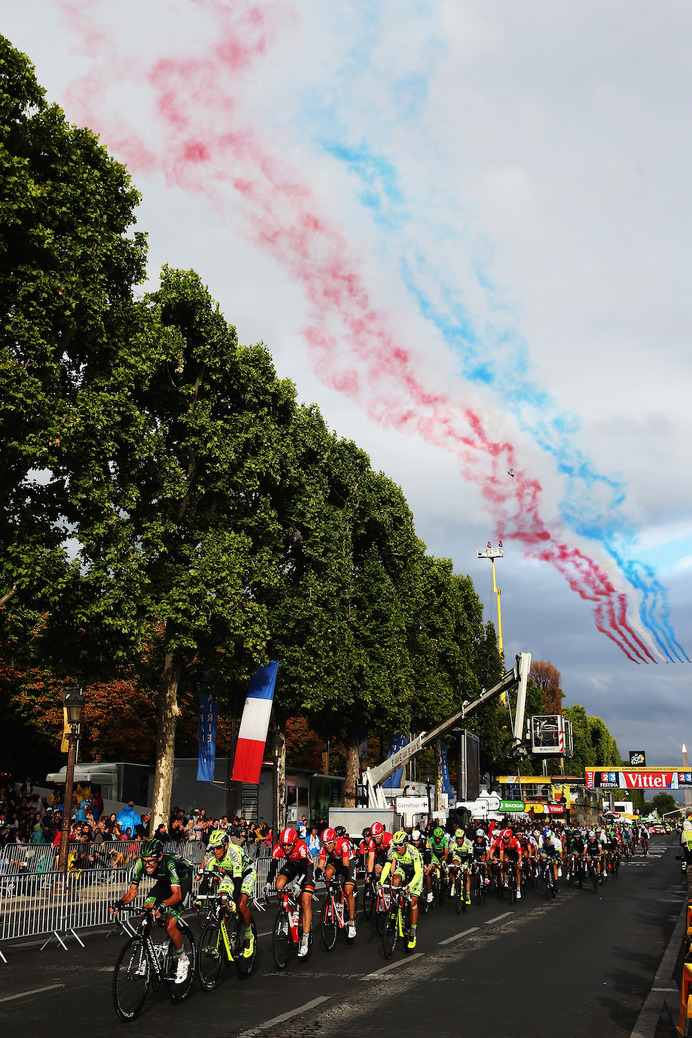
x,y
435,887
281,940
368,900
459,898
381,910
131,979
244,964
330,925
406,925
594,879
391,931
548,881
179,992
210,956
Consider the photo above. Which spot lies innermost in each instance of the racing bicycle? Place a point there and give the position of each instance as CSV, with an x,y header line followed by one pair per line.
x,y
397,921
145,963
221,943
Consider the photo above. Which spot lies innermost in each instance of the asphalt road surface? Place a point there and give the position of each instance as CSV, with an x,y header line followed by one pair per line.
x,y
581,966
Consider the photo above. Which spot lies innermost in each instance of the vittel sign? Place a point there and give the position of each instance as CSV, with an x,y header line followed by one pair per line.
x,y
650,779
640,778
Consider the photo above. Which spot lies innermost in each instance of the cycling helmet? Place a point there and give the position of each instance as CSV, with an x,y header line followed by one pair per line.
x,y
151,848
217,838
340,831
400,838
328,836
288,835
547,833
592,834
416,835
376,829
507,834
479,833
366,833
438,832
459,834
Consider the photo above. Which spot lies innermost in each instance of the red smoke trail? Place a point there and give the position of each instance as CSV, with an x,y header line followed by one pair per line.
x,y
204,146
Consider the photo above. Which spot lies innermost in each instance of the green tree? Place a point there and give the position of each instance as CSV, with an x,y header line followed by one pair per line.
x,y
341,616
663,803
68,261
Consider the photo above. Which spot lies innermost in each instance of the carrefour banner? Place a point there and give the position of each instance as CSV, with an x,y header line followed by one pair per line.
x,y
206,730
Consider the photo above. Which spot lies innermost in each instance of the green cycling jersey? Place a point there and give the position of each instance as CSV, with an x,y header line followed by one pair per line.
x,y
170,868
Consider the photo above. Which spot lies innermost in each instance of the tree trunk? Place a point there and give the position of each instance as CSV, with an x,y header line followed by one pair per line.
x,y
165,744
438,776
352,767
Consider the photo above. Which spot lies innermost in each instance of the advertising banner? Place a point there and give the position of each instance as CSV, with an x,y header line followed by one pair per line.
x,y
206,734
637,778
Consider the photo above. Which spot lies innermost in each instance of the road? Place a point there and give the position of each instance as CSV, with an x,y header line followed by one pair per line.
x,y
582,965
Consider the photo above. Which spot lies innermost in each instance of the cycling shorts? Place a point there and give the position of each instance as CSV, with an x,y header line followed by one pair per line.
x,y
291,871
162,890
239,885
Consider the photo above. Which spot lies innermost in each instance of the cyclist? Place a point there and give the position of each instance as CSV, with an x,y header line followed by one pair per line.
x,y
460,853
593,851
238,875
510,850
644,837
405,864
298,863
337,856
420,841
481,852
173,876
378,849
363,847
550,848
439,845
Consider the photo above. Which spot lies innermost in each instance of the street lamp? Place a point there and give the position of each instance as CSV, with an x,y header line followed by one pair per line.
x,y
428,786
276,744
73,702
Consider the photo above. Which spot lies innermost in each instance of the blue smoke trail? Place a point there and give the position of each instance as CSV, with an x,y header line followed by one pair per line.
x,y
590,495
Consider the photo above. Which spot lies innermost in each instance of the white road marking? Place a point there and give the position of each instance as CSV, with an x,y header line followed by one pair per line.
x,y
391,966
34,991
497,918
284,1016
458,936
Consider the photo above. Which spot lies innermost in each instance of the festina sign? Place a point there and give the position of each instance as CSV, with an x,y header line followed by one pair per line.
x,y
637,759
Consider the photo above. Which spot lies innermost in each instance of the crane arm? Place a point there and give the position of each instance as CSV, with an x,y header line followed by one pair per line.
x,y
518,675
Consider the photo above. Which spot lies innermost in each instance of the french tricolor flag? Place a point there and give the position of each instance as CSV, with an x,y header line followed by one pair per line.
x,y
254,724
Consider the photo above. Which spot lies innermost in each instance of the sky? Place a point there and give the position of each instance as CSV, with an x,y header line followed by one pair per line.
x,y
462,229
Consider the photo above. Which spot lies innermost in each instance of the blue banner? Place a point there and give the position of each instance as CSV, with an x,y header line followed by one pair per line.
x,y
396,742
206,728
446,784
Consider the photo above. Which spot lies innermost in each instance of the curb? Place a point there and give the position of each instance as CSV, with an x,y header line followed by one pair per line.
x,y
649,1014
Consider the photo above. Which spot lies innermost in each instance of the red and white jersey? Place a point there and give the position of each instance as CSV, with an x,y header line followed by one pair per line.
x,y
299,853
381,847
510,846
342,848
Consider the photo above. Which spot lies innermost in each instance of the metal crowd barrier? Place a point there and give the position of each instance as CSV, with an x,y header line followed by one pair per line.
x,y
49,903
43,857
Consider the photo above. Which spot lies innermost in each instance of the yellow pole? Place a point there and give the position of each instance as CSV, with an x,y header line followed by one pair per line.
x,y
499,616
